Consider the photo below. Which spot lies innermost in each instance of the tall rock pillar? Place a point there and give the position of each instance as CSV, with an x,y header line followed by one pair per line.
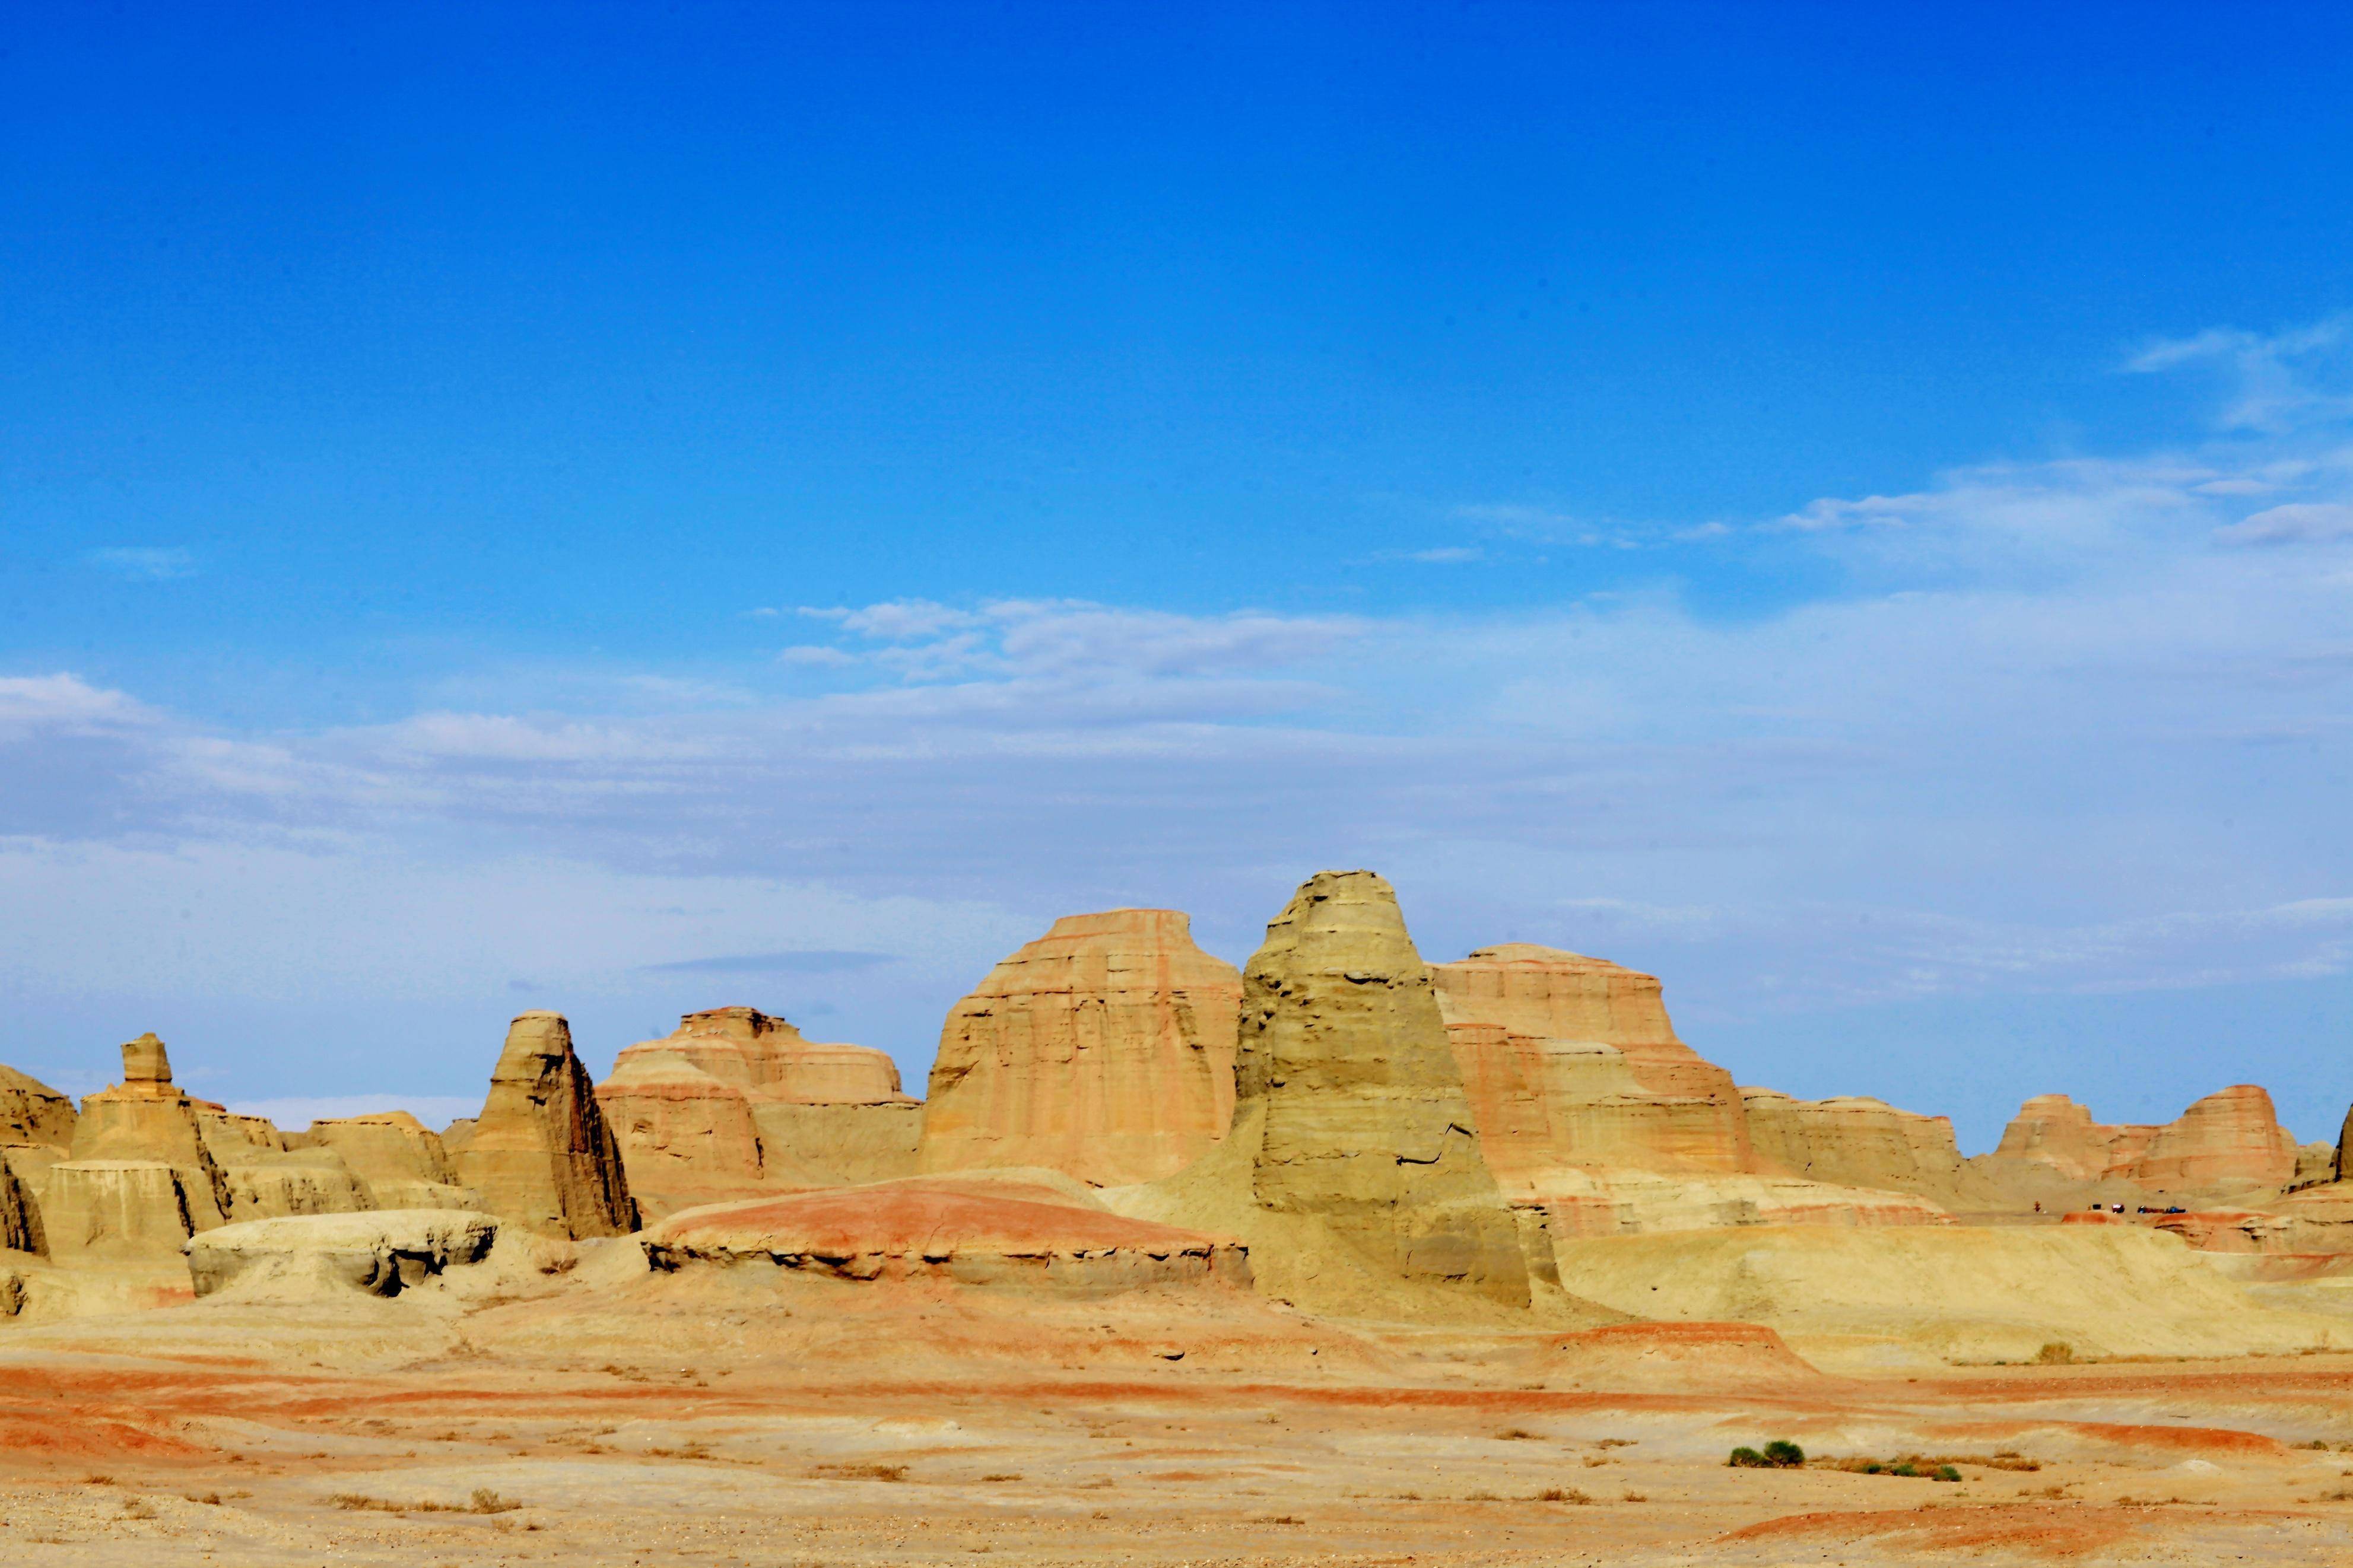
x,y
541,1156
1344,1070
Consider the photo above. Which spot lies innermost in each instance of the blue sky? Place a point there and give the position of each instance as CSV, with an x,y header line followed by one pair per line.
x,y
624,509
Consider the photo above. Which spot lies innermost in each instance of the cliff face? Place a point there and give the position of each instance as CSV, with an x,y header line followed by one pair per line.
x,y
734,1100
1104,1048
1361,1118
1678,1112
541,1156
32,1114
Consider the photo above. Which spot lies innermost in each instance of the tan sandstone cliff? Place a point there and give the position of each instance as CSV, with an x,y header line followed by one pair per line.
x,y
1105,1049
1673,1110
541,1156
735,1100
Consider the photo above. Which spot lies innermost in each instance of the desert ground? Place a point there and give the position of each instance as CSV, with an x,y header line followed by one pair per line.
x,y
750,1418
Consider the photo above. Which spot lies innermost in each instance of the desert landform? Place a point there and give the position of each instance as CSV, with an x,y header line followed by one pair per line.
x,y
1346,1257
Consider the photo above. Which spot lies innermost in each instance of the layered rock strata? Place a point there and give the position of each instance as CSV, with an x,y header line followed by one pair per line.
x,y
735,1099
1349,1100
1592,1113
1104,1048
2230,1140
1671,1109
542,1156
2228,1143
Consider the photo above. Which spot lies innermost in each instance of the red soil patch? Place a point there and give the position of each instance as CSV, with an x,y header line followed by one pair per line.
x,y
68,1435
908,1220
2180,1439
2041,1530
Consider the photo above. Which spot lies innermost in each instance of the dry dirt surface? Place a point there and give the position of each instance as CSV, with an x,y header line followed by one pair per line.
x,y
748,1417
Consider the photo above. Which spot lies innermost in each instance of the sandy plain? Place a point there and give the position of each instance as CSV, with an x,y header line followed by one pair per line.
x,y
752,1417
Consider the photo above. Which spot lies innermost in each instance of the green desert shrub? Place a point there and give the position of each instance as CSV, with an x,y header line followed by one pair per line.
x,y
1748,1459
1784,1454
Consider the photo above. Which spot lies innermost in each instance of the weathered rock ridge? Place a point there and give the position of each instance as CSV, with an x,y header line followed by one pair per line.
x,y
1104,1048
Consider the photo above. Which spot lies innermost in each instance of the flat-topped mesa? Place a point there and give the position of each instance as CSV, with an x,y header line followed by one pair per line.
x,y
1670,1110
32,1114
770,1059
1105,1049
735,1098
540,1154
2229,1141
1346,1078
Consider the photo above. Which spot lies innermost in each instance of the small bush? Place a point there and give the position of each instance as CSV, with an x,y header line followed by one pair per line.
x,y
1748,1459
1946,1473
1783,1455
1903,1468
1562,1494
2058,1353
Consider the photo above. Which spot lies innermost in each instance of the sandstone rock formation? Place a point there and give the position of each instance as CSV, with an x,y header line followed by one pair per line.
x,y
1104,1048
1858,1142
2344,1166
31,1112
1350,1103
142,1120
1593,1114
2230,1140
380,1254
965,1229
2229,1143
735,1099
1673,1110
102,1210
540,1154
2053,1130
681,1129
398,1162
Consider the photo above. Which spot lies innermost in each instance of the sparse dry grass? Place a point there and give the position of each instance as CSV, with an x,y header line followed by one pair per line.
x,y
861,1471
484,1500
